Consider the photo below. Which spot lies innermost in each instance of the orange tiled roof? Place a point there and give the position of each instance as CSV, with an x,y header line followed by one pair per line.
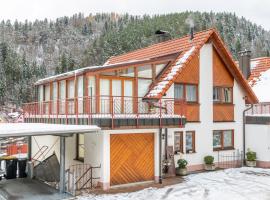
x,y
258,65
187,51
164,48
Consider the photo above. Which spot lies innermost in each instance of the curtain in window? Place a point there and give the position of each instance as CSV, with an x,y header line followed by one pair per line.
x,y
217,139
191,93
178,91
189,141
227,138
227,95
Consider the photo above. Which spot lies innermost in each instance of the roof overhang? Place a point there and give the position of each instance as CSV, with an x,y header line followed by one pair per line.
x,y
39,129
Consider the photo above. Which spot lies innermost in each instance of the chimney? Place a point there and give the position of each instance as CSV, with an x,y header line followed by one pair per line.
x,y
191,33
244,62
163,36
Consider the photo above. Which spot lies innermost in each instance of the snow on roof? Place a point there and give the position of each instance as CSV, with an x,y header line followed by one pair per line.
x,y
261,86
171,74
66,75
86,69
35,129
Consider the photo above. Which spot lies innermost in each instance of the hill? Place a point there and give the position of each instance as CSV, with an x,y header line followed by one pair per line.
x,y
32,50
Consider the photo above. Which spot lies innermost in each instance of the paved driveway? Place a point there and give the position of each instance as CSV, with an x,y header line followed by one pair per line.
x,y
17,189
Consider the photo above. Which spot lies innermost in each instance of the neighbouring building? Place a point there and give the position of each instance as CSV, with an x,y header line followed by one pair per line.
x,y
258,117
186,94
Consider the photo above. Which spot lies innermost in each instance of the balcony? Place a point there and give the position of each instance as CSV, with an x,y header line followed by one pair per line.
x,y
107,112
259,114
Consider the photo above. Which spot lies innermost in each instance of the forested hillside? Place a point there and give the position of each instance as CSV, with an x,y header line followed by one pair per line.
x,y
32,50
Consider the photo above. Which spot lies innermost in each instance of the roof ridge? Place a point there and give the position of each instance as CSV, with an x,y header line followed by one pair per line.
x,y
210,31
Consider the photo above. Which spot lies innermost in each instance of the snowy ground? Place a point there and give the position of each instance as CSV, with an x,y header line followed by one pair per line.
x,y
238,184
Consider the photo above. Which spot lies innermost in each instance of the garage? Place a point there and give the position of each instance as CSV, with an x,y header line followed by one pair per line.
x,y
131,158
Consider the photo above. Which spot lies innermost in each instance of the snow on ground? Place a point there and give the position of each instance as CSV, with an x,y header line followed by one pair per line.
x,y
233,184
261,87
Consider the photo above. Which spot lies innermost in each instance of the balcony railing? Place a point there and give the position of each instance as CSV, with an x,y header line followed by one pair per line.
x,y
261,109
105,107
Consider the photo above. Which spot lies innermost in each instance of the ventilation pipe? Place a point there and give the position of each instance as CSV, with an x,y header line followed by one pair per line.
x,y
244,62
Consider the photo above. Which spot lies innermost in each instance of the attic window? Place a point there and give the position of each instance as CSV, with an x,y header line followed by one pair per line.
x,y
145,71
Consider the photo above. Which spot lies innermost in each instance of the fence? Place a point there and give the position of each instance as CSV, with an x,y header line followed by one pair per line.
x,y
230,159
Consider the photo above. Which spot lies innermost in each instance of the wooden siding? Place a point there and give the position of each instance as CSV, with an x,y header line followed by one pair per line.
x,y
221,75
191,110
222,78
131,158
190,73
223,112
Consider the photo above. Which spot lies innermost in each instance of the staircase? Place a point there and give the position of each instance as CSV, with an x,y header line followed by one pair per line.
x,y
81,177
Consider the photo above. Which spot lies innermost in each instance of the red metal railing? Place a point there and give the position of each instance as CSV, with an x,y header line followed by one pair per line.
x,y
259,109
105,107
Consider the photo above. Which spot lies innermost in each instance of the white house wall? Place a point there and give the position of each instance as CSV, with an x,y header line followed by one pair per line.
x,y
258,140
204,129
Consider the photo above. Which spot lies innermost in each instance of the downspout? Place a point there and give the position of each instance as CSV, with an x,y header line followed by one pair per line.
x,y
160,156
244,131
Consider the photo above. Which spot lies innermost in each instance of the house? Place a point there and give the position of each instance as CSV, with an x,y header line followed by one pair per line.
x,y
185,94
258,117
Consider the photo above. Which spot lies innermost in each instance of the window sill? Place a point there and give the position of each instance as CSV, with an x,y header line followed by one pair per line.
x,y
224,121
223,103
191,152
79,159
178,153
193,103
224,149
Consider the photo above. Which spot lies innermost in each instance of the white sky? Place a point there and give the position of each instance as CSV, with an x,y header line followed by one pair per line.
x,y
255,10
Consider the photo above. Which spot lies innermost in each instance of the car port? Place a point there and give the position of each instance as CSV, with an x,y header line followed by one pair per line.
x,y
16,172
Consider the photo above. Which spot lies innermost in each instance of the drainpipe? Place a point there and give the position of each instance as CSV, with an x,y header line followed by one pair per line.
x,y
160,156
244,131
166,143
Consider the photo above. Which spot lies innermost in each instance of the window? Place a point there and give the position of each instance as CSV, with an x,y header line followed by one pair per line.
x,y
145,71
227,95
222,94
191,93
223,139
129,72
185,91
178,91
159,68
190,142
178,142
216,94
80,147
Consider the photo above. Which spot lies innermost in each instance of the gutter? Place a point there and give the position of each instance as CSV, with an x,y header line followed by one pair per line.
x,y
244,131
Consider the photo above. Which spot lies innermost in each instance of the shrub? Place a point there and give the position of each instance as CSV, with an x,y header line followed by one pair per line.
x,y
182,163
251,155
209,160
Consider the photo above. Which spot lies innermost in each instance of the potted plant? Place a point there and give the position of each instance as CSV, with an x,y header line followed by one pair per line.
x,y
182,167
209,164
251,158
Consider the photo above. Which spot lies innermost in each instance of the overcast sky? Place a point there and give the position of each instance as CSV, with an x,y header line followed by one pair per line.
x,y
257,11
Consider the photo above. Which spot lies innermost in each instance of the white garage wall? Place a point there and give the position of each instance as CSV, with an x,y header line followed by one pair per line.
x,y
258,140
50,141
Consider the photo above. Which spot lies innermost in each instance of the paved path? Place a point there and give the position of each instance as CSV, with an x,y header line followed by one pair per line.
x,y
17,189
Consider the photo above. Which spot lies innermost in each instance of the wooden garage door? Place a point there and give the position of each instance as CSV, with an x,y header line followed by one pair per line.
x,y
132,158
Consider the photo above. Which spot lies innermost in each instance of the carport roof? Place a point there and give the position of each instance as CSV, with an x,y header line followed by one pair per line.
x,y
36,129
